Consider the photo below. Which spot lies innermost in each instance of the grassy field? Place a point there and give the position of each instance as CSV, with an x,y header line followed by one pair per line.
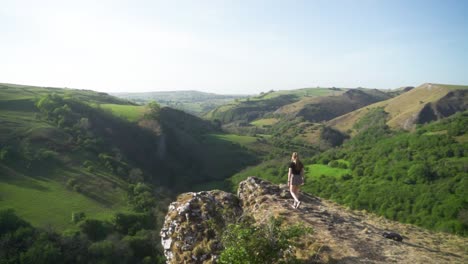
x,y
264,122
47,202
316,170
129,112
16,92
41,195
462,139
298,92
242,140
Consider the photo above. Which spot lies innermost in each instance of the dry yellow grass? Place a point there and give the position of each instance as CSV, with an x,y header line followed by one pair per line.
x,y
402,109
341,235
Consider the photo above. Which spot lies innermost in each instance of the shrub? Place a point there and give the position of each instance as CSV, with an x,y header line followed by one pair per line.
x,y
266,243
10,222
95,229
78,216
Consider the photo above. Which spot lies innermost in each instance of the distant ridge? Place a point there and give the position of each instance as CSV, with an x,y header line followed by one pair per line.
x,y
191,101
406,110
316,109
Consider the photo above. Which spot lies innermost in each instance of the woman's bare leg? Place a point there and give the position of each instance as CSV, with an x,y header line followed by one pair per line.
x,y
293,189
296,192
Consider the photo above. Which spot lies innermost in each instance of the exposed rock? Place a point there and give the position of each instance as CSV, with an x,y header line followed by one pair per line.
x,y
191,227
339,235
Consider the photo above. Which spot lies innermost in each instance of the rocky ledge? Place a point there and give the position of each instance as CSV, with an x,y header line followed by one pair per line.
x,y
194,222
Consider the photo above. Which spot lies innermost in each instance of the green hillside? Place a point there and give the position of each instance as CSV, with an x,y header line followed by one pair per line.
x,y
96,146
41,172
417,177
81,162
129,112
256,107
293,117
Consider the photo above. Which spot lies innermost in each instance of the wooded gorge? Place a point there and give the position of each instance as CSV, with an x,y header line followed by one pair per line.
x,y
87,177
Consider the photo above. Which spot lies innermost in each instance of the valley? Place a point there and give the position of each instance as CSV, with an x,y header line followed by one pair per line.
x,y
79,162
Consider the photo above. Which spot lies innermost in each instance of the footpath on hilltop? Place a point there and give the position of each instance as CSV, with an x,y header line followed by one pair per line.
x,y
339,235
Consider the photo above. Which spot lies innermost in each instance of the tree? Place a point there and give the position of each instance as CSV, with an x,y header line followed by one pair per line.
x,y
10,222
42,252
154,110
95,229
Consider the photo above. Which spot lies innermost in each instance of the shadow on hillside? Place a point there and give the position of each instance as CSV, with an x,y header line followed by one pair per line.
x,y
431,250
16,178
103,201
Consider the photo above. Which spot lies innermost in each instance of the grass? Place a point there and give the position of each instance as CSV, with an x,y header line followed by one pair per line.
x,y
401,109
47,202
462,139
242,140
40,195
129,112
435,133
17,92
299,92
264,122
316,170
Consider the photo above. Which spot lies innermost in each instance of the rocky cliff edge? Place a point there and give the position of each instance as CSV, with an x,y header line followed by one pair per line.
x,y
194,222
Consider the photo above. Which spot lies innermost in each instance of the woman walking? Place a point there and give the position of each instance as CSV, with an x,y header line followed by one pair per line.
x,y
295,178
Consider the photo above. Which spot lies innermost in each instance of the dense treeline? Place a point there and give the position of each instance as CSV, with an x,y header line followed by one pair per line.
x,y
418,177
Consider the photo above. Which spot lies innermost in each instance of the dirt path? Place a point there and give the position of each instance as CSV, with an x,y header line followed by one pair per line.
x,y
346,236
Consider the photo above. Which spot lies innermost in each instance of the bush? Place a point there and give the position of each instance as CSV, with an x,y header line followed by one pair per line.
x,y
78,216
266,243
129,223
95,229
42,252
10,222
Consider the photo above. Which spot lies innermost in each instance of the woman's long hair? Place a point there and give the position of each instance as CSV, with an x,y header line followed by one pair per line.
x,y
295,156
297,161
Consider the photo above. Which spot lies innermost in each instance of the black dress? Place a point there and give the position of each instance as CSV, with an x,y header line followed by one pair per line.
x,y
296,169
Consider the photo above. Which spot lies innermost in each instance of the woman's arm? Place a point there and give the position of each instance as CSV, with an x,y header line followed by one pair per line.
x,y
302,175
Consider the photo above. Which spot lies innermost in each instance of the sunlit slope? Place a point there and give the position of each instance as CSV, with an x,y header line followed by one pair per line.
x,y
64,151
49,201
257,107
47,182
404,110
316,109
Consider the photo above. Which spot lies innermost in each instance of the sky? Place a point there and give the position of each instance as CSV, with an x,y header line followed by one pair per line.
x,y
232,47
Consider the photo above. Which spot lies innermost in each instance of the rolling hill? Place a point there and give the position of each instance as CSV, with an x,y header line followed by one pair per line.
x,y
324,108
416,177
424,103
66,150
256,107
193,102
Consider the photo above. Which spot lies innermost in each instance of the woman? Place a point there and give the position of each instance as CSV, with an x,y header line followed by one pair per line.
x,y
295,178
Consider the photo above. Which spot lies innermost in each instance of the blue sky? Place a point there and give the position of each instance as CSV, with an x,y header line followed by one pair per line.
x,y
236,47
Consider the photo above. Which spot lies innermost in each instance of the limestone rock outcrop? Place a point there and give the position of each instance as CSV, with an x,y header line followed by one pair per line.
x,y
195,222
190,233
